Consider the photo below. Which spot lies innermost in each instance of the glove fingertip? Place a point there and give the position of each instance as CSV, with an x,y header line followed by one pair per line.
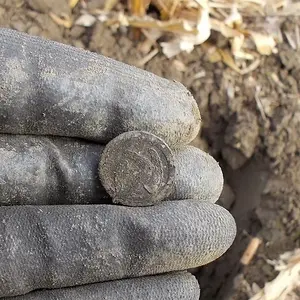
x,y
198,175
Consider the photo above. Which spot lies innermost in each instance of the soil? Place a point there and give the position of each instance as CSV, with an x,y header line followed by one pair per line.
x,y
251,124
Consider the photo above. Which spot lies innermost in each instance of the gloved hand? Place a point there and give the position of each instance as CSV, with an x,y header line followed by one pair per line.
x,y
58,107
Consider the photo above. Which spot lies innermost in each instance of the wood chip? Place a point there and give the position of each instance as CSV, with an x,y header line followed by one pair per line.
x,y
250,251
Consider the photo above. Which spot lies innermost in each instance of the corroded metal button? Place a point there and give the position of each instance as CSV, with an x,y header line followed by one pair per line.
x,y
137,169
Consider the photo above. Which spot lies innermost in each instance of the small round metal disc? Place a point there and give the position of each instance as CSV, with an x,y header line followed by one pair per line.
x,y
137,169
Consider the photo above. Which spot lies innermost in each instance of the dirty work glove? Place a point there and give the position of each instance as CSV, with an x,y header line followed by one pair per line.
x,y
58,107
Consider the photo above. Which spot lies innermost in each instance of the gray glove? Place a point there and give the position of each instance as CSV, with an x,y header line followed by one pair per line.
x,y
58,107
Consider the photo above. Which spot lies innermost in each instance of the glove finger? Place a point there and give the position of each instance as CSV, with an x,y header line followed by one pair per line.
x,y
175,286
46,171
52,89
197,175
49,171
63,246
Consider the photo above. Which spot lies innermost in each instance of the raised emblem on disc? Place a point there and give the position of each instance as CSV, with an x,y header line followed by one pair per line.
x,y
137,169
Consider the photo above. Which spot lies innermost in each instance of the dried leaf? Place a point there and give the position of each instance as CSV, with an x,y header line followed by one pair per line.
x,y
191,21
187,42
225,30
265,44
73,3
179,44
228,60
176,26
86,20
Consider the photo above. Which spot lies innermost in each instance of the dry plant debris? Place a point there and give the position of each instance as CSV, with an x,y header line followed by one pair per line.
x,y
281,288
180,25
250,251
